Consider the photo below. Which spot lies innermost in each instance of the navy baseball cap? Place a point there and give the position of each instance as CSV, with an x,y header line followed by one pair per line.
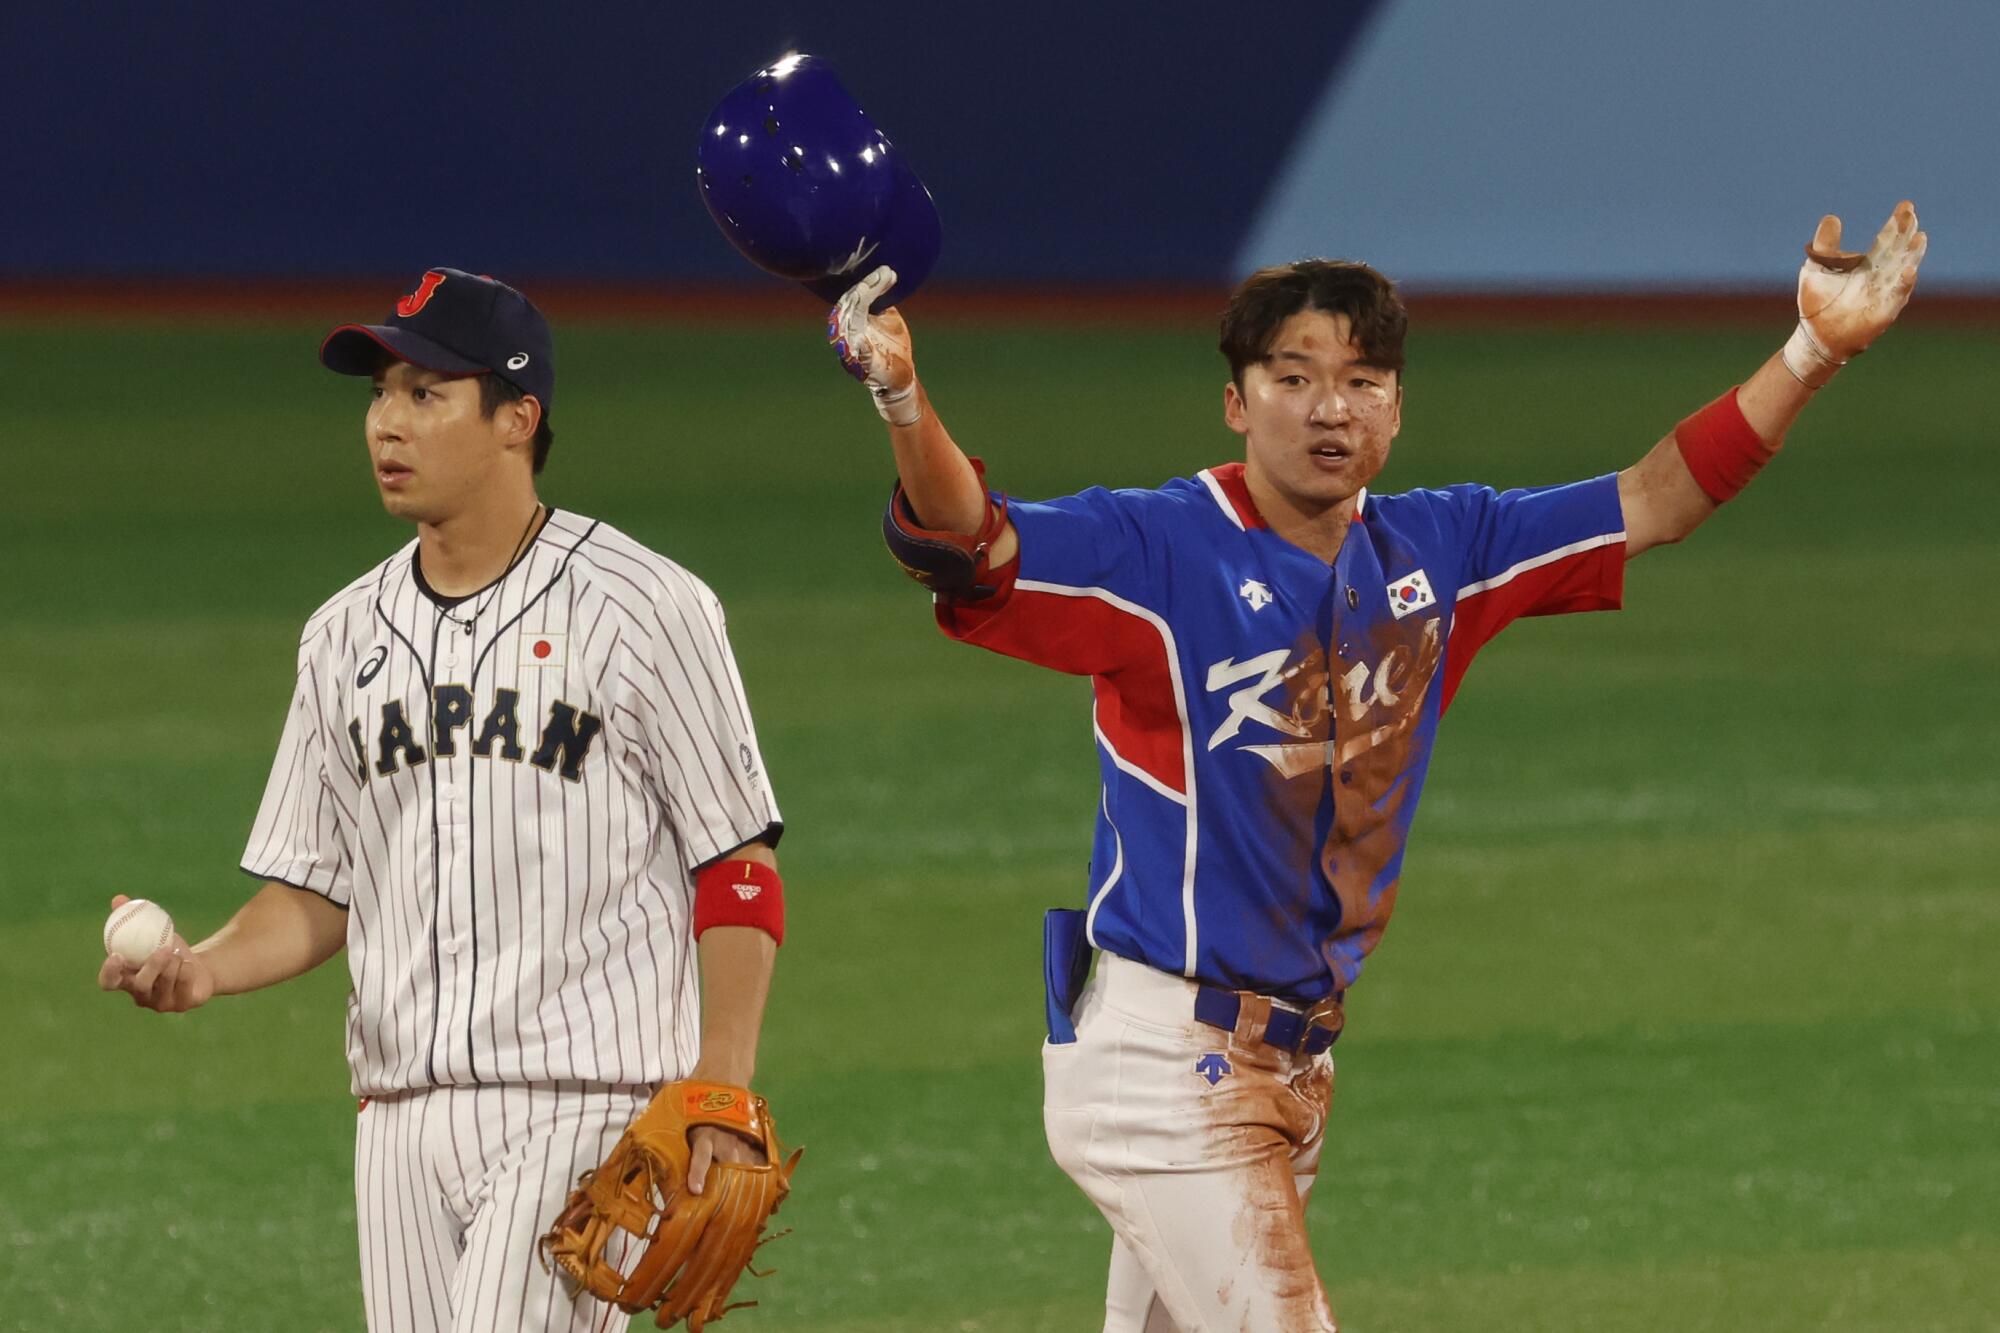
x,y
455,323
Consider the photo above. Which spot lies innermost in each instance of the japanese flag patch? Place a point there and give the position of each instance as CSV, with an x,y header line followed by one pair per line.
x,y
539,648
1409,594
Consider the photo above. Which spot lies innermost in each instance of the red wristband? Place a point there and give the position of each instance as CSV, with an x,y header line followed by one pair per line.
x,y
1721,449
736,892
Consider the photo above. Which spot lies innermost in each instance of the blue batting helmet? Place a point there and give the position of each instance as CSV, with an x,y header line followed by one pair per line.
x,y
801,181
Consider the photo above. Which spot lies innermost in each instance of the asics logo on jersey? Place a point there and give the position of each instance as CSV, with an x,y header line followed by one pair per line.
x,y
421,297
1254,593
372,666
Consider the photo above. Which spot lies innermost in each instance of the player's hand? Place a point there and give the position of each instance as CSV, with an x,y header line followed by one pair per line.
x,y
174,980
708,1145
875,349
1847,299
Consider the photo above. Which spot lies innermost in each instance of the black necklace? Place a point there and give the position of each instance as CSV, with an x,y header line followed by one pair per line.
x,y
492,589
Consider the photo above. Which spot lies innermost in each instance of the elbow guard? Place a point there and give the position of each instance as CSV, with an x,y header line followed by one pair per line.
x,y
950,564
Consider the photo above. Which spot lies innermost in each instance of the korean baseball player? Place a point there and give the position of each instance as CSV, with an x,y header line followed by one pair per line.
x,y
1271,647
518,780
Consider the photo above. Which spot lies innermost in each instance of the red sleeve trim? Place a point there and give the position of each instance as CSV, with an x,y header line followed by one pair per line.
x,y
1592,580
1088,632
962,620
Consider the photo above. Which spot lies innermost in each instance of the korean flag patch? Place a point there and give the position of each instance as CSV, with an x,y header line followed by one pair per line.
x,y
539,648
1409,594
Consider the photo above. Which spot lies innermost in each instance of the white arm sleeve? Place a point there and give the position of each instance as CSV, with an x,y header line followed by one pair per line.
x,y
694,720
299,837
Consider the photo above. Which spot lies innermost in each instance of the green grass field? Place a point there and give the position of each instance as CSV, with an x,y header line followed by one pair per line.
x,y
1689,1018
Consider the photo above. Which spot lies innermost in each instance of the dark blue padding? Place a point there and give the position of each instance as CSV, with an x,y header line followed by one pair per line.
x,y
1065,964
1285,1029
1218,1008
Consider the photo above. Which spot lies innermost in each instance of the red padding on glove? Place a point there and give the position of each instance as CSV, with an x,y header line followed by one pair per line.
x,y
1721,449
736,892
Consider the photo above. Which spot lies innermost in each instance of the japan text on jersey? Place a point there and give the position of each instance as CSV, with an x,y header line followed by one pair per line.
x,y
510,793
1264,720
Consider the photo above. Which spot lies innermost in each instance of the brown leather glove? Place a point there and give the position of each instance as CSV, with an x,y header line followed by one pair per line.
x,y
696,1245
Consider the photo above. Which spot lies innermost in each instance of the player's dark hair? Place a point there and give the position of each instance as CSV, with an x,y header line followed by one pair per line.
x,y
494,391
1270,296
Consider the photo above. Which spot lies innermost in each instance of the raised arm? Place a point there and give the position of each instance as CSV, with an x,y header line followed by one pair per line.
x,y
281,933
1846,301
943,489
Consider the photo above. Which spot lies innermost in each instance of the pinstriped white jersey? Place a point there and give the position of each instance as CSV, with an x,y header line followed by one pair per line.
x,y
510,797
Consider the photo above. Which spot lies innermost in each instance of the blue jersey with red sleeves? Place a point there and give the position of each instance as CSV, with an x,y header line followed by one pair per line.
x,y
1264,720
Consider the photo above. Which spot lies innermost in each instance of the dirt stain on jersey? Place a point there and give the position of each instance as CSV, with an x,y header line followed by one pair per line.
x,y
1380,703
1354,716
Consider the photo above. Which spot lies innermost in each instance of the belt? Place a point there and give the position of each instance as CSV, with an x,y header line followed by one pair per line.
x,y
1286,1029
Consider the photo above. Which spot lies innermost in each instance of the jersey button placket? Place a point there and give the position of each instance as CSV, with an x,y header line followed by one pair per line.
x,y
454,829
1338,652
451,773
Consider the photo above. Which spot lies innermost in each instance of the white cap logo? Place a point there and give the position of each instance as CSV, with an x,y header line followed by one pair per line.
x,y
516,361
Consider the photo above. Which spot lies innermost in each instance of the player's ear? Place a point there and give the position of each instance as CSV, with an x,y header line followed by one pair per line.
x,y
1232,409
519,420
1396,412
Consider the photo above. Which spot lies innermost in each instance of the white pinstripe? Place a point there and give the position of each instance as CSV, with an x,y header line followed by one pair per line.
x,y
458,1185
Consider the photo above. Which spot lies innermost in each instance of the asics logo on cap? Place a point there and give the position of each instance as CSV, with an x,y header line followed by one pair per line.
x,y
516,361
421,297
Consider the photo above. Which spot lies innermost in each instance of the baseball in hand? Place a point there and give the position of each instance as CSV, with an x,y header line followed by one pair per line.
x,y
137,928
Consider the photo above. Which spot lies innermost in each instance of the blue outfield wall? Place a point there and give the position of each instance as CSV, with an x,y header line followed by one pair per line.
x,y
1065,142
1496,144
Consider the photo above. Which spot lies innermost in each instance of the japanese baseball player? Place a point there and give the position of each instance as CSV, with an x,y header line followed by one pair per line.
x,y
517,758
1271,646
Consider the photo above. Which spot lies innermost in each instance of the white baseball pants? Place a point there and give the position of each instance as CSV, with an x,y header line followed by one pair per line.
x,y
1199,1146
453,1187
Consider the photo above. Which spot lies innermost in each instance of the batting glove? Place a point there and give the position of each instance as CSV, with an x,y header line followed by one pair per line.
x,y
875,349
1847,300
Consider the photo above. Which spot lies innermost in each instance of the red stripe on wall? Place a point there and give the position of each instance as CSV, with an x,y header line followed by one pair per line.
x,y
775,302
